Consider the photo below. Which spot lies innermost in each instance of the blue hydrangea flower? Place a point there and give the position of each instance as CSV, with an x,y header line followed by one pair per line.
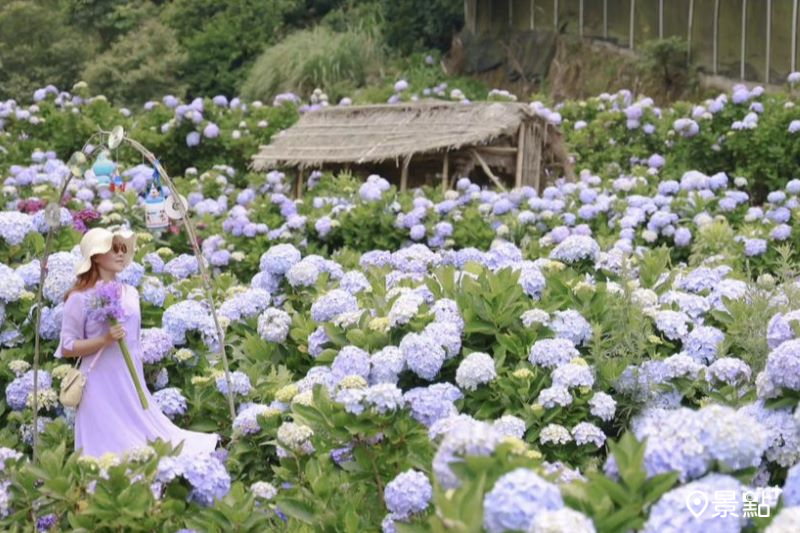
x,y
670,513
602,406
153,291
510,426
561,520
782,437
171,402
408,493
384,397
728,371
246,421
132,274
476,369
316,340
332,304
516,499
432,403
673,324
274,324
18,390
156,343
465,437
386,365
783,365
423,355
189,315
279,259
182,266
350,361
551,353
779,329
573,375
576,248
204,472
571,325
303,274
11,285
245,304
240,383
702,344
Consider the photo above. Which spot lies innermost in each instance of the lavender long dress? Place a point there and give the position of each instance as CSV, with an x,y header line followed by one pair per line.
x,y
110,417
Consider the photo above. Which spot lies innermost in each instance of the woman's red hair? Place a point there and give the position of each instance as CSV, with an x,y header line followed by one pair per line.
x,y
86,280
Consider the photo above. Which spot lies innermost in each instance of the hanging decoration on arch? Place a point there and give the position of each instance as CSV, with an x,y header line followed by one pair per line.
x,y
155,203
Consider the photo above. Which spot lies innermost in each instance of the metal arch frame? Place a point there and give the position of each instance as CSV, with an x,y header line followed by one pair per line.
x,y
195,247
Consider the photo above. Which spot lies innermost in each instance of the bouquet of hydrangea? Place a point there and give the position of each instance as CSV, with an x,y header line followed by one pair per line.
x,y
107,305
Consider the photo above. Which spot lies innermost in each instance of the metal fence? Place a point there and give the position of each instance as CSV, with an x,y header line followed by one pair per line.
x,y
754,40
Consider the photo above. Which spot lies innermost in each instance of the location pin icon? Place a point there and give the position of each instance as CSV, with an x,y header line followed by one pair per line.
x,y
696,502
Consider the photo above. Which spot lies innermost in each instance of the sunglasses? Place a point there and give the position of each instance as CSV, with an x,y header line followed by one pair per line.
x,y
119,247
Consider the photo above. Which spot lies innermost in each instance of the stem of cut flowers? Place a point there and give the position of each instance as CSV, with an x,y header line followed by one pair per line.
x,y
126,354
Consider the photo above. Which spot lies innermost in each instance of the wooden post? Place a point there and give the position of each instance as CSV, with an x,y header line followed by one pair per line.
x,y
404,174
520,155
445,171
488,171
299,191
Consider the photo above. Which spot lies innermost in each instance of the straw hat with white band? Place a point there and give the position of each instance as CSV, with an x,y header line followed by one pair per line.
x,y
99,241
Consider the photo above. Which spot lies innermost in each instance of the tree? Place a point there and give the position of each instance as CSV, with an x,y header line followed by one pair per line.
x,y
37,48
412,25
222,39
140,66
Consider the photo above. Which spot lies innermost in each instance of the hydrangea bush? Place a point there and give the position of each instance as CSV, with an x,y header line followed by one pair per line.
x,y
579,358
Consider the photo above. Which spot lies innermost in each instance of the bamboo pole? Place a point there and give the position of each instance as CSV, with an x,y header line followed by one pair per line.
x,y
487,170
445,171
404,174
299,185
520,155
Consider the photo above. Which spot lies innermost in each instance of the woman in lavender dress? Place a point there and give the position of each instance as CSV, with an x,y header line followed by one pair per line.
x,y
110,417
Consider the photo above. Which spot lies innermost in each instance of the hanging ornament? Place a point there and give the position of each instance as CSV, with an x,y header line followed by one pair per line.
x,y
155,203
117,184
103,168
173,208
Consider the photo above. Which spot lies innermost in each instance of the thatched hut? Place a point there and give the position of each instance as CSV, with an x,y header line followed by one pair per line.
x,y
424,142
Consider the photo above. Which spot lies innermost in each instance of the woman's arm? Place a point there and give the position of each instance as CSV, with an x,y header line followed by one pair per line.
x,y
84,347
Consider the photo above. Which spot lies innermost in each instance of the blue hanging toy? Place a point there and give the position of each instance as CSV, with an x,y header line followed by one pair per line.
x,y
155,203
103,168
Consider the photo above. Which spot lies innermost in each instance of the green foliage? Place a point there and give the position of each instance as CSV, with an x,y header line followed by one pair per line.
x,y
421,24
665,63
619,506
108,19
37,48
222,39
140,66
338,62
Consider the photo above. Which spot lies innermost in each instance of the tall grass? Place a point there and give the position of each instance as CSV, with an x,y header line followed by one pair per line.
x,y
337,62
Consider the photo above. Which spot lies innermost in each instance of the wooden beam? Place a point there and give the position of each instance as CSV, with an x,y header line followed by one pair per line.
x,y
445,171
520,155
299,191
498,150
488,171
404,174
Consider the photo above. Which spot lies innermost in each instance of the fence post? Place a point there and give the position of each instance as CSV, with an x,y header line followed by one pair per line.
x,y
533,14
631,25
510,13
660,19
716,37
580,19
744,39
555,15
769,39
794,36
605,19
689,33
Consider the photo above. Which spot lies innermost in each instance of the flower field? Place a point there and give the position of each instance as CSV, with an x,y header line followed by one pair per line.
x,y
591,358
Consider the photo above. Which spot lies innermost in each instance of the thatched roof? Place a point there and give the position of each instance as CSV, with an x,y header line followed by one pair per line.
x,y
374,133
